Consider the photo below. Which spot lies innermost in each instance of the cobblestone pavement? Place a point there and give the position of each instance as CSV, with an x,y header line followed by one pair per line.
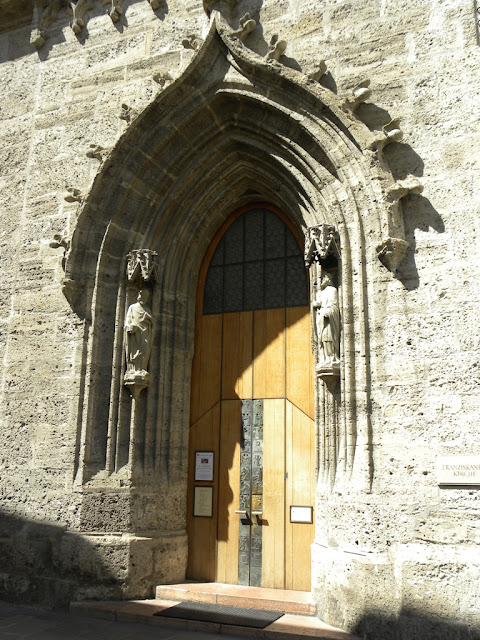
x,y
17,623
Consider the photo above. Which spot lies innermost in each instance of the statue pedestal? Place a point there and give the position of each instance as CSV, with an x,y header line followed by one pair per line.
x,y
328,372
136,381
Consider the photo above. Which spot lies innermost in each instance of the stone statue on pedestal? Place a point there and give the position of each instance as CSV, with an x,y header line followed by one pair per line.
x,y
139,328
327,324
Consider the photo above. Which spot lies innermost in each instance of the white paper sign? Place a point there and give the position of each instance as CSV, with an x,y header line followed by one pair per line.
x,y
458,470
301,514
204,465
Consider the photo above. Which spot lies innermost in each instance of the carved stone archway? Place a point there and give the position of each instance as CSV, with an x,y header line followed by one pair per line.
x,y
233,129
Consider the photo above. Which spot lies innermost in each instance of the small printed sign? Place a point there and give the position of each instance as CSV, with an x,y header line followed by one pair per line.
x,y
458,470
203,502
204,465
301,514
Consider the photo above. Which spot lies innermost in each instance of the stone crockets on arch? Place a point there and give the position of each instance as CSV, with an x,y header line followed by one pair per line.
x,y
234,129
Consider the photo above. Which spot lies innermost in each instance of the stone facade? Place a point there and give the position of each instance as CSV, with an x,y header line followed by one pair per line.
x,y
135,124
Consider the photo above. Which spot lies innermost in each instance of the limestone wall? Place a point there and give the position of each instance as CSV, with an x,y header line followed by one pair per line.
x,y
407,548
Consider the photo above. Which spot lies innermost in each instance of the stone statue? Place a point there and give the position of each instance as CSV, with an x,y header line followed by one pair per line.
x,y
327,323
139,328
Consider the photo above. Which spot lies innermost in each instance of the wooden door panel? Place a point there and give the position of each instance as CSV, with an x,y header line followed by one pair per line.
x,y
273,547
202,532
229,482
269,354
237,365
206,365
300,490
299,359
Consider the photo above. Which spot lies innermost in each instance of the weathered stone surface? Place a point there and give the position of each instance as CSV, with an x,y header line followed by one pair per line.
x,y
391,545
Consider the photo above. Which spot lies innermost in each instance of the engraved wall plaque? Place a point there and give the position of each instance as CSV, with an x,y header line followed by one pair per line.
x,y
458,470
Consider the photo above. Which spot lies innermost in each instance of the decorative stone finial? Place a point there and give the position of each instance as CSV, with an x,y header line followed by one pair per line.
x,y
61,241
246,25
359,94
79,9
276,48
163,79
192,42
391,133
97,152
319,72
126,113
219,5
115,12
74,195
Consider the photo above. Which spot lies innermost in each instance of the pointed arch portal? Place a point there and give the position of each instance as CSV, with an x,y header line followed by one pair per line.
x,y
231,132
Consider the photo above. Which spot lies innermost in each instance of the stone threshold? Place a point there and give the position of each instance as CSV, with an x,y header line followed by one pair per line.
x,y
299,602
289,627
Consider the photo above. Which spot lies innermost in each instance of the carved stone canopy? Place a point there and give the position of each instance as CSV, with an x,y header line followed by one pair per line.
x,y
142,263
321,242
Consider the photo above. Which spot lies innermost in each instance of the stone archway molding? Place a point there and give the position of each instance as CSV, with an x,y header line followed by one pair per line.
x,y
234,129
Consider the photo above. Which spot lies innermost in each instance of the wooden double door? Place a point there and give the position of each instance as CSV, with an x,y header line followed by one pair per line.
x,y
252,407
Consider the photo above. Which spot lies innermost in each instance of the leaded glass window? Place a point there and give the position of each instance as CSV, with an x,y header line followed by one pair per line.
x,y
257,264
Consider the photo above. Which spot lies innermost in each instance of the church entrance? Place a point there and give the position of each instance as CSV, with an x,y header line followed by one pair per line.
x,y
251,450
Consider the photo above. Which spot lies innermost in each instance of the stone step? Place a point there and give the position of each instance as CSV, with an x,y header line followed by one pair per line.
x,y
288,627
298,602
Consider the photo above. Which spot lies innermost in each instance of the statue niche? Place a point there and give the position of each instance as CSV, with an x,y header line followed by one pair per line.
x,y
321,258
139,327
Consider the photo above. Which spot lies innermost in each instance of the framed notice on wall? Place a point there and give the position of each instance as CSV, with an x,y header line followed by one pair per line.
x,y
204,465
203,502
302,515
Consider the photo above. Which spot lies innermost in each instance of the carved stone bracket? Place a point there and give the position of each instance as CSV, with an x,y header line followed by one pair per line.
x,y
391,252
142,263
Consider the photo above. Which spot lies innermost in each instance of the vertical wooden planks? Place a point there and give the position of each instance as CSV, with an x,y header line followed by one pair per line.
x,y
206,366
237,355
299,365
269,354
202,531
273,545
229,486
300,491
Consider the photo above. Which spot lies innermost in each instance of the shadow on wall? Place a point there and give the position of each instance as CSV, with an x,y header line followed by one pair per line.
x,y
45,565
413,626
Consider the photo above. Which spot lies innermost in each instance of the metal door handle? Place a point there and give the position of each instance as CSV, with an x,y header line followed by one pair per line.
x,y
242,513
257,513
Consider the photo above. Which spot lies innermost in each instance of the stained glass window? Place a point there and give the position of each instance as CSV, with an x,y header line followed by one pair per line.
x,y
257,265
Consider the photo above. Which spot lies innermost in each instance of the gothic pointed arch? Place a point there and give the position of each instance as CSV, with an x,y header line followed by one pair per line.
x,y
232,130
